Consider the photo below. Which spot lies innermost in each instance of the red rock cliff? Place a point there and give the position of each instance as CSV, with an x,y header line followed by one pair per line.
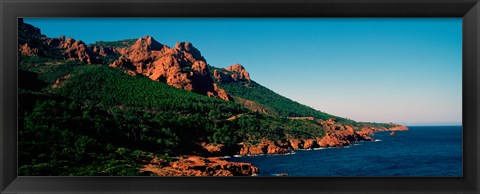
x,y
398,128
32,43
73,49
265,147
235,72
336,135
182,67
199,166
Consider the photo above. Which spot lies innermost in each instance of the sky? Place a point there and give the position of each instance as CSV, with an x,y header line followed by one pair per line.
x,y
401,70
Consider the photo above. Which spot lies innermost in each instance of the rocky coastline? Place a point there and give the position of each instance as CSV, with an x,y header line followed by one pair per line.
x,y
211,164
199,166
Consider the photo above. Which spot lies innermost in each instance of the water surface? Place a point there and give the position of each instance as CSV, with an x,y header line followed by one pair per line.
x,y
420,151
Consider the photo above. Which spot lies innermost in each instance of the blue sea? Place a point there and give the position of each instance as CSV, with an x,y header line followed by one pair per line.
x,y
420,151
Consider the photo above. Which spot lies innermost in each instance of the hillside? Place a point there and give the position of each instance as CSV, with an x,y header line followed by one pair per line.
x,y
141,107
259,98
167,121
115,44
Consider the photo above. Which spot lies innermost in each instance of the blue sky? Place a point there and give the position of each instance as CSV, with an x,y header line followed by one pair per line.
x,y
399,70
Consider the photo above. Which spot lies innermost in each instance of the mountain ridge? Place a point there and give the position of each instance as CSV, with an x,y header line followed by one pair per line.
x,y
142,105
182,66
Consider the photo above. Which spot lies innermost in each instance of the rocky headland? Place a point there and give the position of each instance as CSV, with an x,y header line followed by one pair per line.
x,y
337,135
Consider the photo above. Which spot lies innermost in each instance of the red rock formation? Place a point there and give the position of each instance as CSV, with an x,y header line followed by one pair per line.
x,y
239,72
103,51
333,140
33,43
199,166
188,48
123,62
366,133
398,128
219,92
28,50
30,40
214,148
73,49
182,67
232,73
296,144
310,144
222,77
338,135
265,147
79,51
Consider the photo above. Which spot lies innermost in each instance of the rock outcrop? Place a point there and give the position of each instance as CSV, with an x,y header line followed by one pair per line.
x,y
239,72
103,51
199,166
181,67
310,144
213,150
188,47
232,73
297,144
265,147
219,92
28,50
336,135
398,128
30,40
32,43
73,49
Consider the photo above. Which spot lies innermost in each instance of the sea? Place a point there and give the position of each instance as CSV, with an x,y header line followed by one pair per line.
x,y
420,151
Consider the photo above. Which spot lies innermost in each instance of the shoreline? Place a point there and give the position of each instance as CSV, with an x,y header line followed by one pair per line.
x,y
215,163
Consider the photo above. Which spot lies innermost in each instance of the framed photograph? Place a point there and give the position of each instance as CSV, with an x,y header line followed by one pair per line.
x,y
239,96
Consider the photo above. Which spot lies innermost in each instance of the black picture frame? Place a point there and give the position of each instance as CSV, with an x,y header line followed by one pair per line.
x,y
12,9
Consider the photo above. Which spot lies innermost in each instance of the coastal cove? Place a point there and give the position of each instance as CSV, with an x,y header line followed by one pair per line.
x,y
420,151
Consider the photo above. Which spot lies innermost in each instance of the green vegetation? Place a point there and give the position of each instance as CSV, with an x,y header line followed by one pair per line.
x,y
52,144
376,125
277,104
119,43
102,121
282,106
48,69
110,58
